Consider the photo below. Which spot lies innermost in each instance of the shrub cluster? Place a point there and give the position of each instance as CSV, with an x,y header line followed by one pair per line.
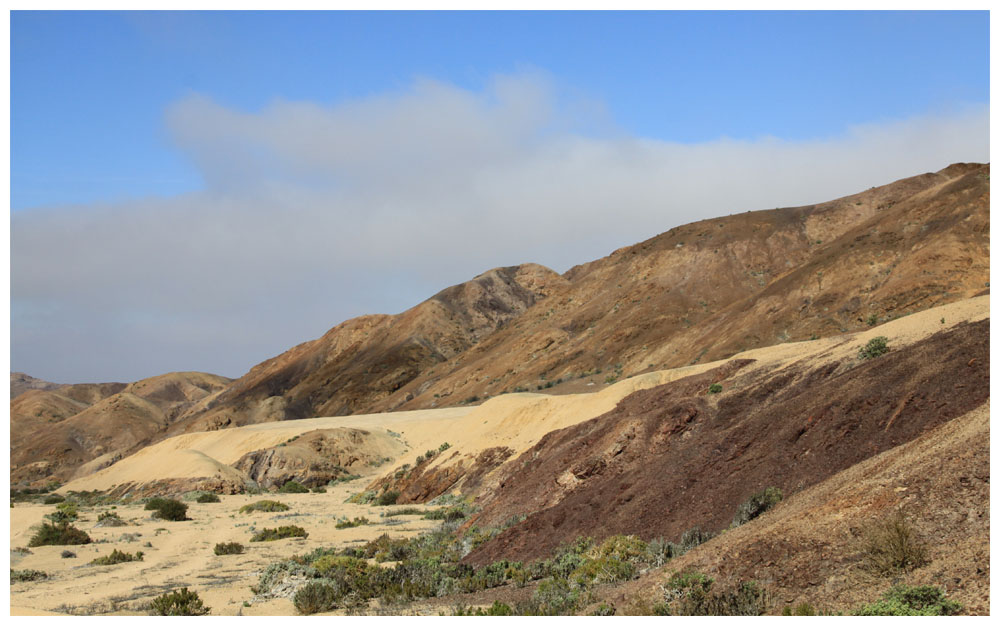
x,y
875,348
911,601
386,498
891,546
110,519
756,505
357,521
282,532
293,487
692,593
266,506
231,547
63,534
116,557
206,498
181,602
26,575
168,509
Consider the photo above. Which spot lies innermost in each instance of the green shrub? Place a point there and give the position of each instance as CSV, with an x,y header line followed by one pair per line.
x,y
58,535
207,498
68,554
497,608
802,609
908,601
891,546
444,446
555,596
756,505
116,557
604,610
875,348
316,597
715,388
872,319
181,602
26,575
691,593
357,521
282,532
231,547
387,498
407,511
172,511
110,519
318,490
266,506
154,504
293,487
54,499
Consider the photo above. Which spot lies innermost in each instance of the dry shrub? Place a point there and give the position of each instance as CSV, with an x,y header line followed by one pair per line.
x,y
892,545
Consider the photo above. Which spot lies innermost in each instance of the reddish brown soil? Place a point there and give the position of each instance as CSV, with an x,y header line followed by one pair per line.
x,y
671,458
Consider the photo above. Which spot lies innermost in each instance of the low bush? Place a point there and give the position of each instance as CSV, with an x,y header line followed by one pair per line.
x,y
68,554
357,521
802,609
756,505
181,602
387,498
207,498
266,506
715,388
282,532
54,499
231,547
692,593
26,575
496,609
316,597
407,511
293,487
911,601
891,546
318,490
58,535
875,348
172,511
110,519
116,557
154,504
65,512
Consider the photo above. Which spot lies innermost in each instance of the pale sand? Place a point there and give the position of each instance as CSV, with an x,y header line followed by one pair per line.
x,y
516,420
184,555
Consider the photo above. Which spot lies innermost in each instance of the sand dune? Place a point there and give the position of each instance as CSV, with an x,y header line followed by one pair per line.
x,y
516,421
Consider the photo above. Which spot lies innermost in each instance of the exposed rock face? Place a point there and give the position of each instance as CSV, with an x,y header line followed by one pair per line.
x,y
674,457
318,457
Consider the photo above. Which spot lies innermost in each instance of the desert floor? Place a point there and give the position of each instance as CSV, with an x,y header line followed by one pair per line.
x,y
181,553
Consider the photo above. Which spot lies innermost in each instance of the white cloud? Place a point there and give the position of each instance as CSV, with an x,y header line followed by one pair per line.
x,y
313,214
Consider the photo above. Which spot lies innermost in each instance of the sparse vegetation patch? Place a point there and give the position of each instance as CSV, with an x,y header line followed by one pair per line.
x,y
266,506
282,532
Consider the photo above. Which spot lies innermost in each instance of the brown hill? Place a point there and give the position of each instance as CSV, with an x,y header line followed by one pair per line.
x,y
366,360
704,291
21,382
54,433
679,449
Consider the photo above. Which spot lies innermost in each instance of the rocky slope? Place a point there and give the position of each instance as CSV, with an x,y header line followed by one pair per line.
x,y
676,456
696,293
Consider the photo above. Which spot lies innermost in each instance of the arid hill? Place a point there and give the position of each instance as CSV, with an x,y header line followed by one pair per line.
x,y
697,293
55,433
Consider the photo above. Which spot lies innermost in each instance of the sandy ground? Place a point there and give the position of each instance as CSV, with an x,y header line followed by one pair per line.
x,y
182,553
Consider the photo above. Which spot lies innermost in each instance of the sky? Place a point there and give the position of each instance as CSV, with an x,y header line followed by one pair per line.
x,y
204,190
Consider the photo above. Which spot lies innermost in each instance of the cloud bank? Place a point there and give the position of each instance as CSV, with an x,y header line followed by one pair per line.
x,y
312,214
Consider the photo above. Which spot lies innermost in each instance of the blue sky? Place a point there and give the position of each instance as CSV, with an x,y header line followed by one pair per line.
x,y
203,190
89,90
